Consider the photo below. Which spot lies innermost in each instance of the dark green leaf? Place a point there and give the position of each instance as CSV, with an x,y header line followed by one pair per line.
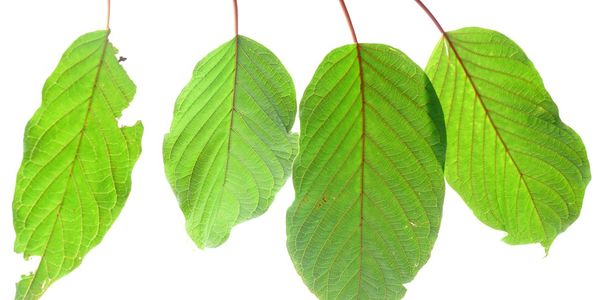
x,y
369,175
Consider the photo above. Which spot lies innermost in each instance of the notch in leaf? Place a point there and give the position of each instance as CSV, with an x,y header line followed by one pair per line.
x,y
369,175
510,157
76,171
230,148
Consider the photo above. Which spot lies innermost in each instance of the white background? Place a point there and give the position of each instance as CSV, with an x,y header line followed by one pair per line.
x,y
147,253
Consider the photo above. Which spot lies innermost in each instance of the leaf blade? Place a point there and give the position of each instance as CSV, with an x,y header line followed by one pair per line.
x,y
72,182
352,181
504,91
243,96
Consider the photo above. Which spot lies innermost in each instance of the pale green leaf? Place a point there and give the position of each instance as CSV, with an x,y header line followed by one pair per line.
x,y
513,161
77,162
369,176
230,148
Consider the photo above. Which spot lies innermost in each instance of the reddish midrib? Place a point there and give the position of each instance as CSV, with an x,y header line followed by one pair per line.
x,y
362,162
363,137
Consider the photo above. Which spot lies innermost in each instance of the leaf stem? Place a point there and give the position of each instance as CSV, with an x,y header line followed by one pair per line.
x,y
449,42
347,14
447,38
235,17
108,15
432,17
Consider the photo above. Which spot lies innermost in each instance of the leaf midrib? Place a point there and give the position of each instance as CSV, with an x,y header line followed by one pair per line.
x,y
230,129
233,96
362,163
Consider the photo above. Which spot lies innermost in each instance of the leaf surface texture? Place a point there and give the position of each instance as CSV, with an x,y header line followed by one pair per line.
x,y
77,163
369,176
230,149
510,157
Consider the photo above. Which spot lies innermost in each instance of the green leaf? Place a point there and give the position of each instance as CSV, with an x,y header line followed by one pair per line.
x,y
230,148
513,161
369,176
77,162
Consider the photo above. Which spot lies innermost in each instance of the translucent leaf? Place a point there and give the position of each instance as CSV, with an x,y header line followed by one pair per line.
x,y
510,157
77,163
230,148
369,176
